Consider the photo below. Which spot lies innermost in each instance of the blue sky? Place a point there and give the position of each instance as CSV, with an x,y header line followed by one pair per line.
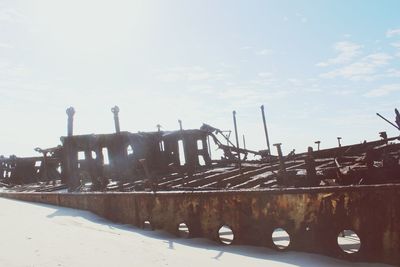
x,y
321,68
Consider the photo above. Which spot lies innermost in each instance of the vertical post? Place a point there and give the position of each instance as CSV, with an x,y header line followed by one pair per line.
x,y
180,125
69,174
310,168
318,143
244,142
338,139
209,145
70,113
45,176
265,129
282,169
237,141
99,167
115,111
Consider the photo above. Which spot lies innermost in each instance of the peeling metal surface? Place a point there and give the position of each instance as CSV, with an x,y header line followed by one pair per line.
x,y
313,217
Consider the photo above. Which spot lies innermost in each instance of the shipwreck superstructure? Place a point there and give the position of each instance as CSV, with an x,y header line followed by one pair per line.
x,y
181,160
169,178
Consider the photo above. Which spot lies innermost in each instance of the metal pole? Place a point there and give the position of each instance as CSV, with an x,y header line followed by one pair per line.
x,y
389,121
318,143
237,141
244,142
115,110
70,113
265,129
209,145
180,125
338,139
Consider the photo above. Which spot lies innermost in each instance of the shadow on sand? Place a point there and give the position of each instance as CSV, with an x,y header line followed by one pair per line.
x,y
287,257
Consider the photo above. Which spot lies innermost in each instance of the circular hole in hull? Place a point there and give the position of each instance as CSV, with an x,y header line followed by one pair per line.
x,y
349,241
281,238
226,235
147,225
183,230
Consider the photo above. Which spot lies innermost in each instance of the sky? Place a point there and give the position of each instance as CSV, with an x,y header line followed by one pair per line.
x,y
322,69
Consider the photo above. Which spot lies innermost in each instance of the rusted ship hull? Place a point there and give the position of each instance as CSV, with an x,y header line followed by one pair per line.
x,y
313,217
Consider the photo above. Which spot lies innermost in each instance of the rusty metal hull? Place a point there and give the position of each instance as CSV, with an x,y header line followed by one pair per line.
x,y
313,217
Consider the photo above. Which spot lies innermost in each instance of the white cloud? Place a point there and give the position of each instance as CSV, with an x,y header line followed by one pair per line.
x,y
203,89
383,90
302,18
169,77
392,32
198,74
248,93
393,73
346,52
246,96
247,47
11,15
344,92
397,46
263,82
265,52
265,74
5,45
239,93
10,71
295,82
264,79
378,58
191,74
364,69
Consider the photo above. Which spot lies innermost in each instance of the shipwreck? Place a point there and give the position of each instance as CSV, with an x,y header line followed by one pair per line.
x,y
341,202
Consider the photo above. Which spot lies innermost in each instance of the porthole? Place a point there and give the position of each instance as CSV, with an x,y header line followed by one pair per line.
x,y
183,230
281,238
349,241
147,225
226,235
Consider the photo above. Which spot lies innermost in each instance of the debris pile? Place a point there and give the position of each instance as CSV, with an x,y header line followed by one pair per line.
x,y
181,160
